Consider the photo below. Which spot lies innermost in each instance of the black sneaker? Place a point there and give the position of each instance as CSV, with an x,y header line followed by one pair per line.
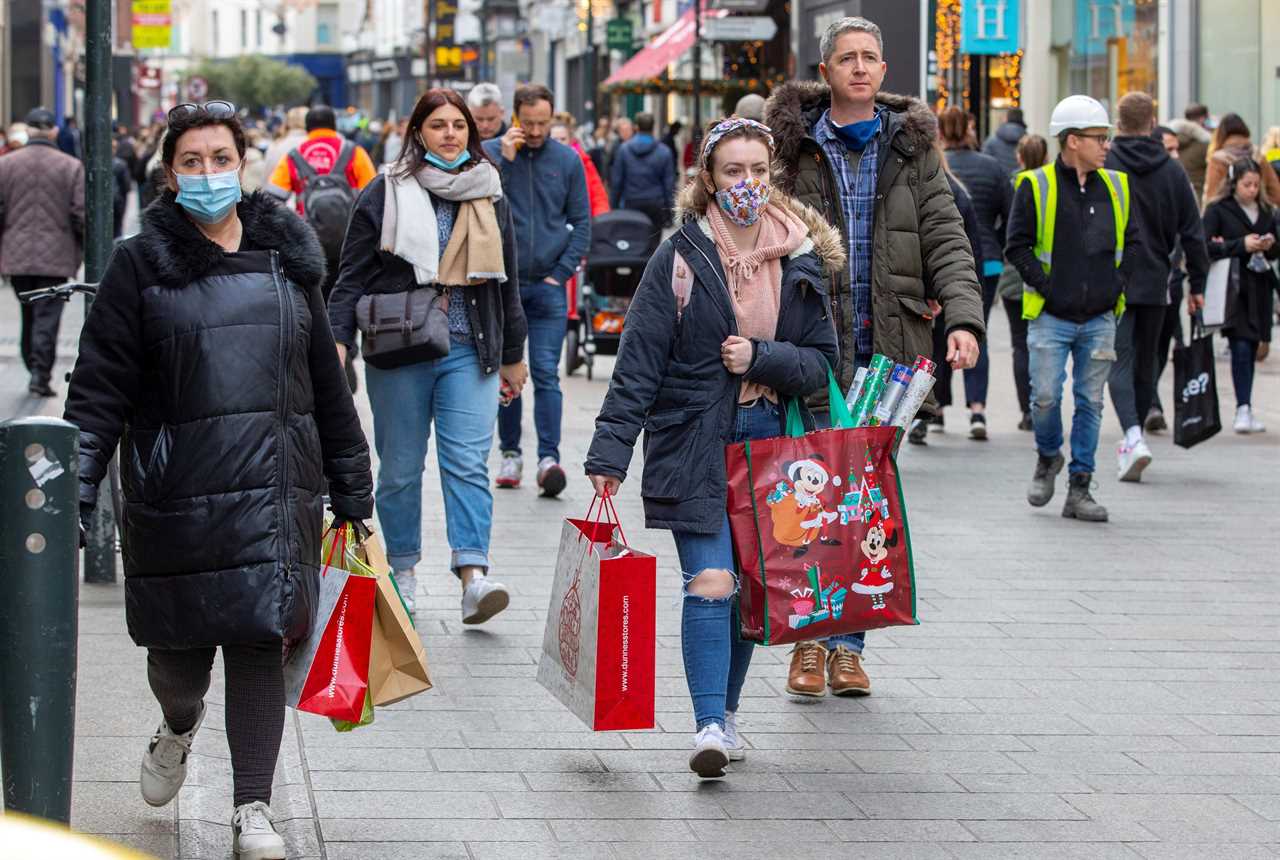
x,y
978,426
1155,422
41,388
919,430
935,423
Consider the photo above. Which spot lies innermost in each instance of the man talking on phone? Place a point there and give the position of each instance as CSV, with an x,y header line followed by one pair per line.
x,y
547,192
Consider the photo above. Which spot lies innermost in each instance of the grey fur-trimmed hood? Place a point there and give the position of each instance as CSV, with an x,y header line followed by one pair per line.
x,y
179,253
793,108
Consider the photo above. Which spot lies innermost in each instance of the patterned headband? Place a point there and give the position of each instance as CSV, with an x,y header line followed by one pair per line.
x,y
726,126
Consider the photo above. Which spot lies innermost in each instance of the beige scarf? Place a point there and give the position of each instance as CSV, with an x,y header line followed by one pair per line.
x,y
474,252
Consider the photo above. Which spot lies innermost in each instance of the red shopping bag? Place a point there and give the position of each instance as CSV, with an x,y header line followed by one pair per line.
x,y
820,530
328,672
598,647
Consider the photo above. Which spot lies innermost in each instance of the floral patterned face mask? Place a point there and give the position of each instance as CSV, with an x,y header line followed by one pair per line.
x,y
744,203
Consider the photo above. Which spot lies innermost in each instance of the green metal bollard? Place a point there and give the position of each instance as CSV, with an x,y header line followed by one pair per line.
x,y
39,596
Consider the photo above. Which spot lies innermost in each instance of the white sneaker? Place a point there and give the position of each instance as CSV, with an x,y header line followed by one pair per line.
x,y
733,743
482,600
551,477
164,764
1132,460
1245,421
510,471
407,585
710,756
254,836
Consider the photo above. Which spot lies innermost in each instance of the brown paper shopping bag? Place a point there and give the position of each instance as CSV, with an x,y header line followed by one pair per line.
x,y
397,660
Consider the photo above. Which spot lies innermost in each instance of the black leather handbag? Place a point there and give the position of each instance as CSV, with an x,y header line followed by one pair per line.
x,y
404,328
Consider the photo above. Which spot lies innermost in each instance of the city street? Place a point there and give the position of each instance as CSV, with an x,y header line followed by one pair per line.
x,y
1072,691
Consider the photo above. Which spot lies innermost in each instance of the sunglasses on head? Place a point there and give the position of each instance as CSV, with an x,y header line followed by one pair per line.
x,y
217,109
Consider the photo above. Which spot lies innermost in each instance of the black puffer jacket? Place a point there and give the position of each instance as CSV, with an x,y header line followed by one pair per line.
x,y
218,376
992,194
670,379
496,315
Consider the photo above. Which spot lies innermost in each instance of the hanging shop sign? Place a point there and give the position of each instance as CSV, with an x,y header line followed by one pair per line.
x,y
991,27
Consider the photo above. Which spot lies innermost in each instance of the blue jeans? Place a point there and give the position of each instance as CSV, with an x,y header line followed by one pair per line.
x,y
1244,353
455,394
547,310
1091,346
716,657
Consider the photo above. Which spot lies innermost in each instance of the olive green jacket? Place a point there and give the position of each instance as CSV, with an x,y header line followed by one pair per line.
x,y
919,247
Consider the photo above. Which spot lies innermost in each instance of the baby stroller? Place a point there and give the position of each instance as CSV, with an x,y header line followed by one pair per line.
x,y
622,241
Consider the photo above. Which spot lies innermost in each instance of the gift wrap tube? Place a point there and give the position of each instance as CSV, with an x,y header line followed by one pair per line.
x,y
869,397
922,382
899,381
858,378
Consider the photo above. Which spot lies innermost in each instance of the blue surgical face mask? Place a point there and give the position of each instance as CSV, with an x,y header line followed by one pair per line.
x,y
436,161
208,197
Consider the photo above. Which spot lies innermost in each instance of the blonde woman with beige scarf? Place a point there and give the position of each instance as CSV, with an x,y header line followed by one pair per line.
x,y
437,216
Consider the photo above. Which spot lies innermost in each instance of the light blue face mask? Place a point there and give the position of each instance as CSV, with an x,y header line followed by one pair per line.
x,y
208,197
436,161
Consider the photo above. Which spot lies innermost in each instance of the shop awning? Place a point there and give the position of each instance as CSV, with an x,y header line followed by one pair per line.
x,y
652,60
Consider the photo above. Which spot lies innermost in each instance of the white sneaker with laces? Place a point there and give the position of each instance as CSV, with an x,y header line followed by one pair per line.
x,y
407,585
254,836
733,743
1245,421
482,599
1132,460
510,471
710,756
164,764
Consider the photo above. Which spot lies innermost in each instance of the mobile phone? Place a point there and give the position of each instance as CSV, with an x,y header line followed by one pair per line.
x,y
506,394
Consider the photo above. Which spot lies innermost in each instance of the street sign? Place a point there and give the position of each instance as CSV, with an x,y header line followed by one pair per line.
x,y
755,6
742,29
151,23
197,89
619,35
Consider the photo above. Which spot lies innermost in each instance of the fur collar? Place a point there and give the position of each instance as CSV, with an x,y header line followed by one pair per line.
x,y
793,108
179,253
825,240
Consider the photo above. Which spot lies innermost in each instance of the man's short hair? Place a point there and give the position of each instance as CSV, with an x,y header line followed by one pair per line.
x,y
529,94
1135,114
483,95
1196,112
644,123
855,24
1015,116
321,116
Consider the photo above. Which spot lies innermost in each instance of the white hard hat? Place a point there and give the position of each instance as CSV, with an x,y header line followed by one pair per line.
x,y
1078,112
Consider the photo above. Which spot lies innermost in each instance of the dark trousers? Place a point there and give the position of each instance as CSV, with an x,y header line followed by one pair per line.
x,y
1244,354
40,321
1170,333
1021,359
1133,376
253,704
975,379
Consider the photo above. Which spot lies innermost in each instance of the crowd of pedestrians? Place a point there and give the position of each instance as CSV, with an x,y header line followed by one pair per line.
x,y
816,228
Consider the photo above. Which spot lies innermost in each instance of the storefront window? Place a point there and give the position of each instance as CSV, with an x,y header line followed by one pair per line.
x,y
1114,48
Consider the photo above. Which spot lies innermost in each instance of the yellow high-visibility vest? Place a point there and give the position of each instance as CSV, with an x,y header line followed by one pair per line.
x,y
1044,191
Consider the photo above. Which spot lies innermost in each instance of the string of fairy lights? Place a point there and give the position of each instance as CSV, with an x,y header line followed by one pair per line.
x,y
1006,68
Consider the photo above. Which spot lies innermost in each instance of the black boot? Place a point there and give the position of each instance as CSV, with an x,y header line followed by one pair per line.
x,y
1041,489
1080,503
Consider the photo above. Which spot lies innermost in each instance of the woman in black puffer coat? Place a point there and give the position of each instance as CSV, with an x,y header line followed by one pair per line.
x,y
208,358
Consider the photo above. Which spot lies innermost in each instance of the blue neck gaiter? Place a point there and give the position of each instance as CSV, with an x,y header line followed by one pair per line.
x,y
856,135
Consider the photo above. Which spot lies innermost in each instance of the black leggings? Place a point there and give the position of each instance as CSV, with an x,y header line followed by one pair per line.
x,y
1021,358
254,705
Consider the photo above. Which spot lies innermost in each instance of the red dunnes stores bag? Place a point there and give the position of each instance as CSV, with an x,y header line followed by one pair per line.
x,y
328,672
598,648
820,531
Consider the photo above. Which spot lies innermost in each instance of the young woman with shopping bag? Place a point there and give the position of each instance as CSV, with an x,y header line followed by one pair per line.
x,y
208,358
730,319
428,279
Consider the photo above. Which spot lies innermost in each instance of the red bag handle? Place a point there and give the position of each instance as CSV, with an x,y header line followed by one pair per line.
x,y
342,534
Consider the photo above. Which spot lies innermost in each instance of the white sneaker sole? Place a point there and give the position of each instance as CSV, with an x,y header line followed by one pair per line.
x,y
737,754
266,853
490,605
1134,473
709,763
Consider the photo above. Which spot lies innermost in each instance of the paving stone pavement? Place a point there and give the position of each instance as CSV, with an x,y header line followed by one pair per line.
x,y
1073,691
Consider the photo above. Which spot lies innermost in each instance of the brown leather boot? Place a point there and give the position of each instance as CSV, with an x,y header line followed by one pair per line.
x,y
806,676
845,673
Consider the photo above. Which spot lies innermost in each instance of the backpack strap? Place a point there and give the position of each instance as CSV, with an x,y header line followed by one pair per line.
x,y
681,283
302,166
345,154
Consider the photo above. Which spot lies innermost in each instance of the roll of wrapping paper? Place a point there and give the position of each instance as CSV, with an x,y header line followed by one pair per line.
x,y
899,381
921,384
858,378
874,385
814,576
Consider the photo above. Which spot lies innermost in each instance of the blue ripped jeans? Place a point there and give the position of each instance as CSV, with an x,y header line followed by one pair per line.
x,y
715,656
1091,347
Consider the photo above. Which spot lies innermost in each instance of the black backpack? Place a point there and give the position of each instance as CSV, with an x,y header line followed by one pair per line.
x,y
327,198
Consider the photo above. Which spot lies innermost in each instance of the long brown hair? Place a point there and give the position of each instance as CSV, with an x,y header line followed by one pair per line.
x,y
1033,150
413,153
1231,125
953,128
